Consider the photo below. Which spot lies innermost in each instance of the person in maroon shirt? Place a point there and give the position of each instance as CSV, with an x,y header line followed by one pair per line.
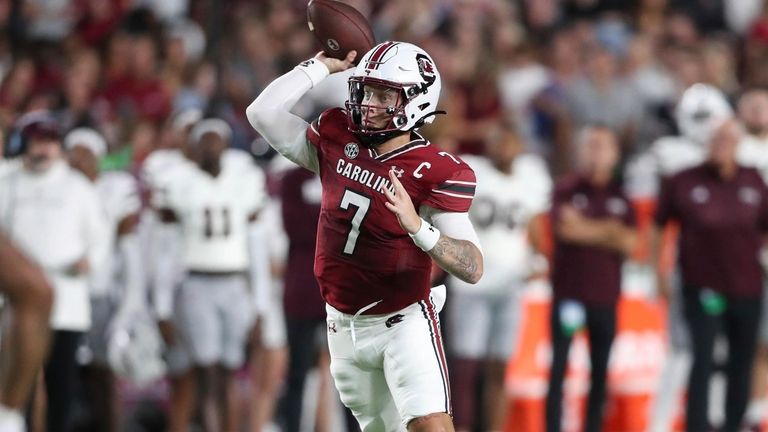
x,y
594,230
722,210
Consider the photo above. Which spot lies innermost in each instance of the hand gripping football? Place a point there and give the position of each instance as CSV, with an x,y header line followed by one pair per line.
x,y
339,28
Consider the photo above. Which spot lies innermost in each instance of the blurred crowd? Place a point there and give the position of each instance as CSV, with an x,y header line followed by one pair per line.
x,y
551,66
543,70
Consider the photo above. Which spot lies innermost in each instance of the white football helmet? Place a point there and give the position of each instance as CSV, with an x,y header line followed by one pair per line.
x,y
700,110
135,350
401,66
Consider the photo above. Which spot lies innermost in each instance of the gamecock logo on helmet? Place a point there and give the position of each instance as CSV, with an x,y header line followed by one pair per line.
x,y
426,68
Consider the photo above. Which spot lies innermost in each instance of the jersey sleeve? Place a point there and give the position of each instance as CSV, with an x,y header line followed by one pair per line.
x,y
170,193
453,191
318,127
313,133
130,202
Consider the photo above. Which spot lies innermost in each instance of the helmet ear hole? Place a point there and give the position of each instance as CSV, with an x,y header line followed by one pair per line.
x,y
424,106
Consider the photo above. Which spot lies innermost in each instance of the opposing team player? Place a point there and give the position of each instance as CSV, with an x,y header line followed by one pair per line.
x,y
117,287
162,264
512,187
213,202
391,203
25,340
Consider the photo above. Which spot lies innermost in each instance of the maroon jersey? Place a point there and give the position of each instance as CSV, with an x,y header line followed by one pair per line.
x,y
722,223
363,256
589,274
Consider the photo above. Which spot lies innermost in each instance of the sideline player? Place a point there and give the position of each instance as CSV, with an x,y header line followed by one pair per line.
x,y
214,203
162,243
382,185
25,340
512,187
117,286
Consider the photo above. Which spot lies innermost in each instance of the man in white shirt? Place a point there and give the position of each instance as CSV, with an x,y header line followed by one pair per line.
x,y
53,214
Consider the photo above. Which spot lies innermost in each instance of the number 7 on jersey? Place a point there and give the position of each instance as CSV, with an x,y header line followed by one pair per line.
x,y
362,203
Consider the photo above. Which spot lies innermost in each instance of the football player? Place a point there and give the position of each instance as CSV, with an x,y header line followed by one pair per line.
x,y
214,202
25,340
117,287
391,204
512,187
162,263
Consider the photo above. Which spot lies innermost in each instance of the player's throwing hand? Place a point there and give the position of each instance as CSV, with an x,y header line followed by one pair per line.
x,y
401,205
336,65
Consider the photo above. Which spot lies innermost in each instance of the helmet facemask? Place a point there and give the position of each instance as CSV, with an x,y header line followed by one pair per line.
x,y
361,113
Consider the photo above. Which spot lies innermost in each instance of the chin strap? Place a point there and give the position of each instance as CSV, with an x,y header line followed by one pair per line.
x,y
373,140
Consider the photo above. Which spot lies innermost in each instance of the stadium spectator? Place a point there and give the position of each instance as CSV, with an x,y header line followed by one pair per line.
x,y
601,96
594,230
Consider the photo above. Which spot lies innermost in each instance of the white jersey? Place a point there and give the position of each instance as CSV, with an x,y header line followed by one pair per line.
x,y
503,206
119,197
213,213
666,156
753,152
159,170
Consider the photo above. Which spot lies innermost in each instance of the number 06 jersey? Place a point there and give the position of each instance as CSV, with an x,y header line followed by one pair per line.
x,y
363,256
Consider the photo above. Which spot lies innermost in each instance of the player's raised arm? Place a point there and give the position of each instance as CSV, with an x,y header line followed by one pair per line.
x,y
270,112
452,242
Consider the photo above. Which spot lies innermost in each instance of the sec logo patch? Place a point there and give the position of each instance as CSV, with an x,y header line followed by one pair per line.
x,y
351,150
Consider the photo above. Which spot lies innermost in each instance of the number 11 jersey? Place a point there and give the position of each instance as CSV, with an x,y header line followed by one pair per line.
x,y
363,256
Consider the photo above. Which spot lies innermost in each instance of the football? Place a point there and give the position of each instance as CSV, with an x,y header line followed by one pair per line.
x,y
339,28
